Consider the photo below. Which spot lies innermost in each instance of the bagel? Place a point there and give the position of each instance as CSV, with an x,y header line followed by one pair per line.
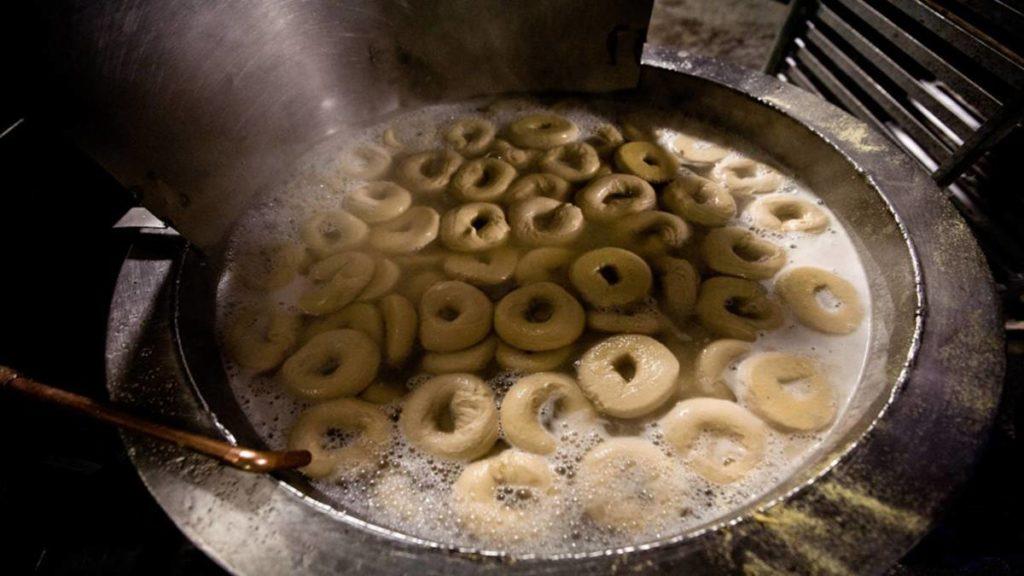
x,y
739,252
361,316
483,269
638,321
698,153
544,265
332,231
400,324
680,284
608,277
804,290
463,399
383,392
788,391
606,139
646,160
272,267
521,407
541,221
334,363
365,162
539,317
385,277
712,362
575,162
699,200
787,214
472,359
454,315
628,485
474,227
429,172
608,198
721,440
361,455
337,281
519,159
377,202
542,131
412,231
470,136
736,308
534,185
744,177
482,180
652,232
527,362
628,375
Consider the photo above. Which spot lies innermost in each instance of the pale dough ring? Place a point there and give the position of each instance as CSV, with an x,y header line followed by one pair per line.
x,y
652,232
712,363
608,277
337,281
680,284
484,269
542,131
533,185
541,221
412,231
788,214
361,455
377,202
482,180
576,162
365,162
608,198
800,288
628,375
699,153
260,338
484,510
520,409
472,359
467,400
400,322
528,362
627,484
470,136
547,264
744,177
361,316
474,227
739,252
770,378
646,160
428,172
385,277
699,200
332,364
606,139
332,231
454,315
538,317
519,159
272,267
737,308
690,420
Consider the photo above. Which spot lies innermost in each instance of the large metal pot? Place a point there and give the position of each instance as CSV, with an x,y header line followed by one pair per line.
x,y
868,494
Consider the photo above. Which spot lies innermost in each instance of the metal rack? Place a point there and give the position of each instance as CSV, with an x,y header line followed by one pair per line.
x,y
943,78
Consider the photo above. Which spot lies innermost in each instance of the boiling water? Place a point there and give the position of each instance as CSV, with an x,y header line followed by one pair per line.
x,y
411,492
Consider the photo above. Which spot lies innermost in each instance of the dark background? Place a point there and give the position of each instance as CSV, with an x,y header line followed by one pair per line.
x,y
70,499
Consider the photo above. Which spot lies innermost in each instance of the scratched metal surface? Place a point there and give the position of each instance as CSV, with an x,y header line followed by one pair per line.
x,y
854,516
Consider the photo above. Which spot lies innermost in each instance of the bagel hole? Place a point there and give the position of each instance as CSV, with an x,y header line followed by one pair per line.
x,y
650,159
512,496
750,250
797,385
378,193
479,223
625,366
827,299
622,195
487,177
721,446
444,420
545,125
700,195
330,231
328,366
448,313
335,438
746,308
539,311
610,274
435,166
788,211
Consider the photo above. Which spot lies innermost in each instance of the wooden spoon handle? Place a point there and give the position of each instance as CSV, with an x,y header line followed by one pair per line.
x,y
239,457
